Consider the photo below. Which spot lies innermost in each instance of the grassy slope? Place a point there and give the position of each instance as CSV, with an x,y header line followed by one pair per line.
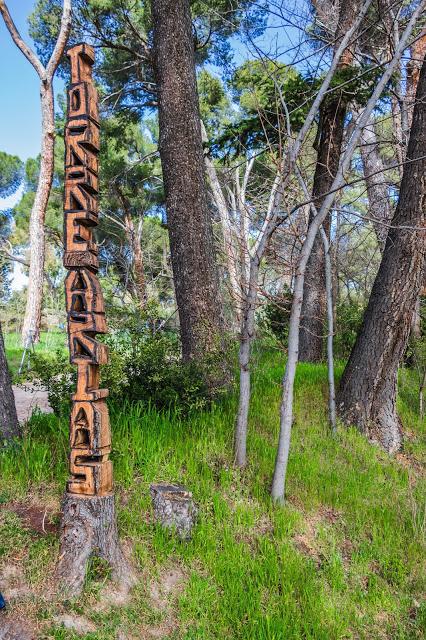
x,y
345,558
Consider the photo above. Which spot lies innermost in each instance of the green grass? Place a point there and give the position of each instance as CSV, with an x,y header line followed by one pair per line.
x,y
49,341
344,558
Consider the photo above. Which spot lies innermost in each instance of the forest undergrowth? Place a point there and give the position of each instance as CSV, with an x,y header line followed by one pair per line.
x,y
344,558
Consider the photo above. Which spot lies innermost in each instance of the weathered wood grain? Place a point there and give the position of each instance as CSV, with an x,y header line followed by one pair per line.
x,y
90,434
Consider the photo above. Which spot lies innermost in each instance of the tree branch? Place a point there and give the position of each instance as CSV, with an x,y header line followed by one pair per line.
x,y
61,41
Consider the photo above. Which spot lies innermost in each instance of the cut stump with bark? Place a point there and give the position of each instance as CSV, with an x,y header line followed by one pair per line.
x,y
88,528
174,508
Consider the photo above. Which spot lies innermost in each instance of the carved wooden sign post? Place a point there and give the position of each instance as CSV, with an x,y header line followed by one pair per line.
x,y
90,436
89,523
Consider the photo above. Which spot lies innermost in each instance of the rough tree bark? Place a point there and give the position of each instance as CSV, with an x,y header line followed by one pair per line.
x,y
367,394
181,152
9,425
329,145
418,50
89,523
32,318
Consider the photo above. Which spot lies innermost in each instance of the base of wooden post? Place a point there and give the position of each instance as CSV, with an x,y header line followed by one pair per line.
x,y
89,528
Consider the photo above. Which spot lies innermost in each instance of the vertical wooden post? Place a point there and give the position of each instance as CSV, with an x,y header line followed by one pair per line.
x,y
90,436
89,522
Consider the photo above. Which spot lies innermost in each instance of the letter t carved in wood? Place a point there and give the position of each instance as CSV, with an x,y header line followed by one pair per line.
x,y
90,435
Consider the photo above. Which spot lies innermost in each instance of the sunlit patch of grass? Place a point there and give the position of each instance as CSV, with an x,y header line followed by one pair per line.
x,y
49,342
344,558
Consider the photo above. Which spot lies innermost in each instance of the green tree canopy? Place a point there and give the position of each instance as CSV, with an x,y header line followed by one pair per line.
x,y
11,173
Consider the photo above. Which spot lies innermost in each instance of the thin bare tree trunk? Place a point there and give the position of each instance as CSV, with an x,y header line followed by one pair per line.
x,y
379,208
9,425
422,386
330,331
268,227
227,232
32,318
31,324
246,337
329,145
139,268
332,123
286,412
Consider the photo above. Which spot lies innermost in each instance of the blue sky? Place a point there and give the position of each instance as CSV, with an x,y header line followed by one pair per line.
x,y
19,101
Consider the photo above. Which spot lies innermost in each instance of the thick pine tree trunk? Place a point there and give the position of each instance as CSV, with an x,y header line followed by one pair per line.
x,y
181,151
329,145
9,425
32,318
367,394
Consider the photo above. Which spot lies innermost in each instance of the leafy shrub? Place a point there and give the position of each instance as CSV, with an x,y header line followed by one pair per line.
x,y
54,373
144,366
151,369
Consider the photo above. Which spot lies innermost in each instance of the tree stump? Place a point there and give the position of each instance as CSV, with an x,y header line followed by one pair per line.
x,y
174,508
89,528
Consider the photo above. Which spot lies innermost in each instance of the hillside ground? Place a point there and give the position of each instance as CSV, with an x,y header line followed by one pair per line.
x,y
344,558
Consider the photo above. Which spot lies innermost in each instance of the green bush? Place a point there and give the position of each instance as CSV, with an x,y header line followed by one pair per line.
x,y
54,373
144,365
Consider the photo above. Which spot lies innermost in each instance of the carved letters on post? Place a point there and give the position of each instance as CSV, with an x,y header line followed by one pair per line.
x,y
90,435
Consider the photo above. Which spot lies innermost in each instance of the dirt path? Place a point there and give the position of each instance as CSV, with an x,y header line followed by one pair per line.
x,y
29,398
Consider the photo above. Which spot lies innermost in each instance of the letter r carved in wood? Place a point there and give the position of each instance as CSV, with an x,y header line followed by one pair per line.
x,y
90,435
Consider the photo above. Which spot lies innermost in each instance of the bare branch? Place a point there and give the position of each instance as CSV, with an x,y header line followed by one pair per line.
x,y
61,40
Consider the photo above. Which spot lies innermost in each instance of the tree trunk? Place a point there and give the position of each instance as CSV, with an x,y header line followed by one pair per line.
x,y
229,241
329,144
330,331
32,319
418,50
139,269
246,338
379,208
181,152
134,240
367,394
9,425
88,527
286,411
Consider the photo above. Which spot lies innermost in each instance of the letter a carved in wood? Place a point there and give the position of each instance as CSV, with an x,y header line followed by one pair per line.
x,y
90,435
